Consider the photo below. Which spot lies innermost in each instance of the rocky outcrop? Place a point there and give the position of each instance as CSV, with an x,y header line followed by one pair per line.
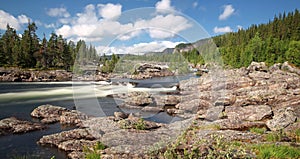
x,y
20,75
13,125
30,75
51,114
145,71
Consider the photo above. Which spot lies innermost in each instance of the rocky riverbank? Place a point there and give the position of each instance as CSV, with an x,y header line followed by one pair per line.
x,y
234,113
29,75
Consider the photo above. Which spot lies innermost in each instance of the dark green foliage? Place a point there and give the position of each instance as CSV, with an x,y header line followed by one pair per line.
x,y
276,41
108,65
29,51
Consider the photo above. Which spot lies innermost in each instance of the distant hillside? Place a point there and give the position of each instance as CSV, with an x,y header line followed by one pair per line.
x,y
274,42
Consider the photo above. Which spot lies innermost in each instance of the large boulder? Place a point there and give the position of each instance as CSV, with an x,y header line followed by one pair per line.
x,y
282,118
145,71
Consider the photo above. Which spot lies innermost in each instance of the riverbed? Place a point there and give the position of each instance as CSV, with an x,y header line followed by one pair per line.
x,y
92,98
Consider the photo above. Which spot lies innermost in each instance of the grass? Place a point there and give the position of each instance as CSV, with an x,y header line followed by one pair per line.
x,y
265,151
138,125
94,152
274,136
258,130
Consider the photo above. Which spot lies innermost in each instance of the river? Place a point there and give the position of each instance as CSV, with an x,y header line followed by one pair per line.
x,y
19,99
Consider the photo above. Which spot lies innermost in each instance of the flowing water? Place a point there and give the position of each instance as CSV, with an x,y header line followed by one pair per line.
x,y
19,99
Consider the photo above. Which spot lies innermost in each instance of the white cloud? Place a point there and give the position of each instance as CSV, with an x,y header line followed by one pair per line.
x,y
16,23
49,25
225,29
164,6
140,48
161,27
96,25
110,11
228,11
58,12
195,4
239,27
23,19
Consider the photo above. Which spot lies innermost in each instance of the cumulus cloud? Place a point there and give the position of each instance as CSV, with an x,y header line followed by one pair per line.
x,y
110,11
140,48
98,23
225,29
58,12
164,6
15,22
161,26
228,11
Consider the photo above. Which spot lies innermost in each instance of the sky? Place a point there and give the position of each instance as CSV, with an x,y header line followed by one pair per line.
x,y
139,26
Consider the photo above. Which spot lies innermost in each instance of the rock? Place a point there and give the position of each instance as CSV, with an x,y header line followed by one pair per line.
x,y
120,115
281,119
171,100
137,123
249,113
138,98
48,112
257,66
214,113
229,124
152,109
259,75
174,111
72,117
76,155
13,125
193,105
52,114
58,138
145,71
287,67
76,145
225,101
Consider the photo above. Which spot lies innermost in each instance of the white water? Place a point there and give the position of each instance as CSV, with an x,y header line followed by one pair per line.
x,y
85,90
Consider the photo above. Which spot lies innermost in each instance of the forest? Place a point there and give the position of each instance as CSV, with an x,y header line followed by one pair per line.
x,y
274,42
29,51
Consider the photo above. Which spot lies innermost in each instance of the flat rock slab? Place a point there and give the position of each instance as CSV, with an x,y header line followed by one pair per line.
x,y
13,125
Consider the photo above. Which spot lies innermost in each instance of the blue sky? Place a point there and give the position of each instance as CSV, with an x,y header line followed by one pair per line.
x,y
126,26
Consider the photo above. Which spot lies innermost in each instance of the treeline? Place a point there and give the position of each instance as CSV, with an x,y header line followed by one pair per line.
x,y
274,42
28,51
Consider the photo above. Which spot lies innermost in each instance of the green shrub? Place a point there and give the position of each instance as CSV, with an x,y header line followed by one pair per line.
x,y
140,124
